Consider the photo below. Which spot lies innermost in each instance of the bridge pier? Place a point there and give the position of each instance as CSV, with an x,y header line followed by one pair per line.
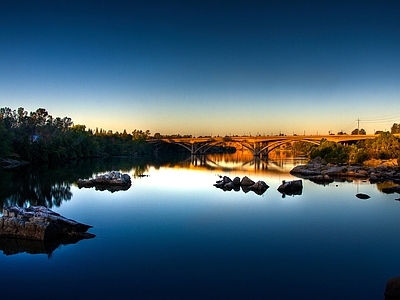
x,y
258,145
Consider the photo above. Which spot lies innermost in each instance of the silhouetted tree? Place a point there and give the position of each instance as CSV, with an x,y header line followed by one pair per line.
x,y
395,128
356,131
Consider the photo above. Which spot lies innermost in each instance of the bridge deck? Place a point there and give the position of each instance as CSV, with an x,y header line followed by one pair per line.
x,y
255,139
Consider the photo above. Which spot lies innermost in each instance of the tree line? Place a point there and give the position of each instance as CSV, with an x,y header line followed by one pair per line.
x,y
386,145
39,137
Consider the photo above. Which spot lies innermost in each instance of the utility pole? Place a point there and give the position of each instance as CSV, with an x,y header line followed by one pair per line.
x,y
358,126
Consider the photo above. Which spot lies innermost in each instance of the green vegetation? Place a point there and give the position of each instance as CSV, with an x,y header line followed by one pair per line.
x,y
38,137
385,146
331,152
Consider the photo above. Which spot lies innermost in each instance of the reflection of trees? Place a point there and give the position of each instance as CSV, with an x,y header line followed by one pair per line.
x,y
43,185
34,187
386,184
140,170
50,185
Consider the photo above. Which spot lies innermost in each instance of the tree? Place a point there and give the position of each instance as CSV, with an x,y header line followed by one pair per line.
x,y
139,135
384,146
395,128
5,141
356,131
78,128
331,152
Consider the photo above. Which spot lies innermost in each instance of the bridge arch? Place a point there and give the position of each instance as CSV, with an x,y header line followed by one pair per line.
x,y
257,145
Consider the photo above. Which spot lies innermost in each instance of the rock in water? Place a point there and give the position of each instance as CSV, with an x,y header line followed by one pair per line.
x,y
246,181
392,290
294,187
39,223
112,181
362,196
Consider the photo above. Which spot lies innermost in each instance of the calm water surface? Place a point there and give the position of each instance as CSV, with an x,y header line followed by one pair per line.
x,y
173,235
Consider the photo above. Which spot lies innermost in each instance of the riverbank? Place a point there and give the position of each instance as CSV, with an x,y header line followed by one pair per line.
x,y
318,170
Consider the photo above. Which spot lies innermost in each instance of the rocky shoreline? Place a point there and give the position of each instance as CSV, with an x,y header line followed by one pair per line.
x,y
319,171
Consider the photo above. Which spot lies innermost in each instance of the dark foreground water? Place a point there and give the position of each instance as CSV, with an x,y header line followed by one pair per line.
x,y
173,235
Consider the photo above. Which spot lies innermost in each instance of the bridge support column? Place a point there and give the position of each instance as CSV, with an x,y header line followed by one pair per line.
x,y
256,149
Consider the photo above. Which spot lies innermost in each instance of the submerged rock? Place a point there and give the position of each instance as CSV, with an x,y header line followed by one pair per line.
x,y
39,223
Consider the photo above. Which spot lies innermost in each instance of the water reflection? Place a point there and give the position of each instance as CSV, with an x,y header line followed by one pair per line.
x,y
34,186
51,185
241,160
12,246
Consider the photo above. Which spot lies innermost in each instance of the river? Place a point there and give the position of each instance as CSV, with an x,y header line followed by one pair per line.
x,y
173,235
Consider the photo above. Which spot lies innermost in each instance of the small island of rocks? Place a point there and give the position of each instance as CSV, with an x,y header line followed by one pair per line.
x,y
111,181
246,184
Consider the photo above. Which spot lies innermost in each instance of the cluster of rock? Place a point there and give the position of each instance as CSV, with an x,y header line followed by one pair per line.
x,y
39,223
105,181
318,170
246,184
290,188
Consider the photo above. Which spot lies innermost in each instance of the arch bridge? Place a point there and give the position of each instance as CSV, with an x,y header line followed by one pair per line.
x,y
258,145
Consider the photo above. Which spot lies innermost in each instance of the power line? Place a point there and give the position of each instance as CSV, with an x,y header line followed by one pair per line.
x,y
382,118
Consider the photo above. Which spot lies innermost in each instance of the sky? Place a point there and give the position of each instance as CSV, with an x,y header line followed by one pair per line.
x,y
205,67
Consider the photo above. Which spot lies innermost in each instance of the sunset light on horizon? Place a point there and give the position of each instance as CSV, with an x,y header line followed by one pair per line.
x,y
205,67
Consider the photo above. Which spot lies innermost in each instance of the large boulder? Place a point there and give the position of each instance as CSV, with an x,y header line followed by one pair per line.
x,y
336,171
259,187
294,187
236,180
246,181
39,223
112,178
392,289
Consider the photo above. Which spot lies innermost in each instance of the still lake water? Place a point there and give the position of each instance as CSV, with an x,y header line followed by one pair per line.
x,y
173,235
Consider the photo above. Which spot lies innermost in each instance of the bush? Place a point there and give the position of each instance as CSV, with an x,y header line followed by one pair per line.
x,y
361,156
331,152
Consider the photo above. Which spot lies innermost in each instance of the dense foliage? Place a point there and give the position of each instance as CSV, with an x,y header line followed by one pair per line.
x,y
384,146
331,152
38,137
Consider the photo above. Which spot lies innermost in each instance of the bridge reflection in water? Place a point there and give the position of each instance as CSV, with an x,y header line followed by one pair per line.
x,y
241,161
258,145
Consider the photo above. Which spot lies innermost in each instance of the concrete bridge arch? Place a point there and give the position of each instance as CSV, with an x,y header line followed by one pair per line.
x,y
258,144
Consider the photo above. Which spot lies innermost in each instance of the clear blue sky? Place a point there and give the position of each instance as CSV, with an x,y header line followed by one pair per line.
x,y
204,67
